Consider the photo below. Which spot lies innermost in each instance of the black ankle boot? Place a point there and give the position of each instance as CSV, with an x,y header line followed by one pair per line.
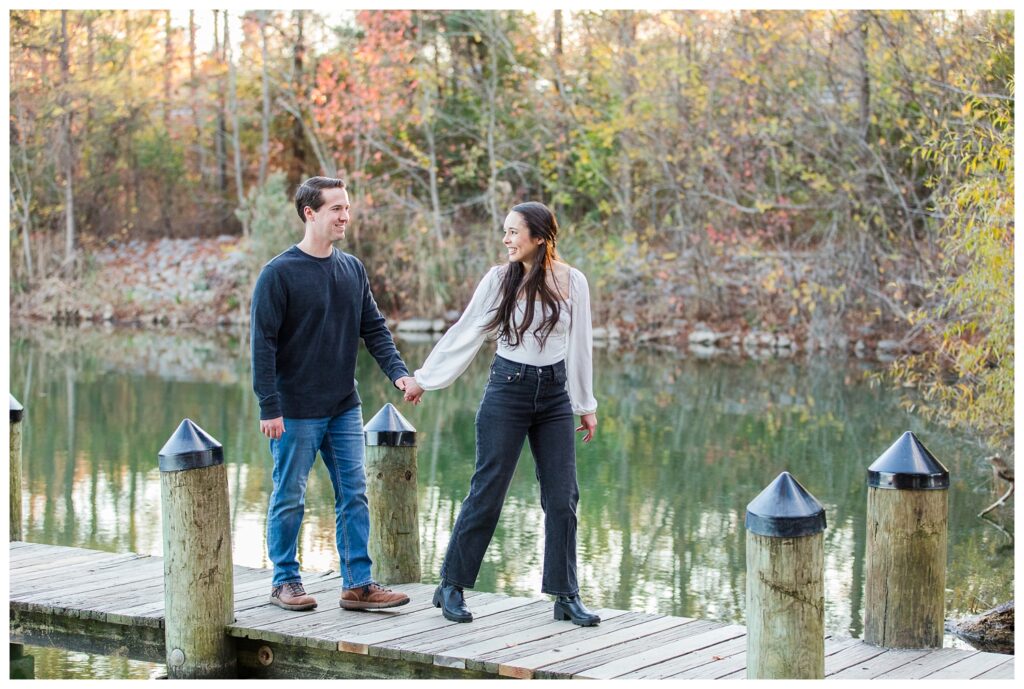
x,y
571,608
449,598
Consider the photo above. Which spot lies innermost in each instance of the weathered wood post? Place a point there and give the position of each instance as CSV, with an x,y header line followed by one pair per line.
x,y
905,572
198,573
22,666
391,491
17,412
785,583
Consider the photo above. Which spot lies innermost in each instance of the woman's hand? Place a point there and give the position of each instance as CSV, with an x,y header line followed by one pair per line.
x,y
588,423
413,391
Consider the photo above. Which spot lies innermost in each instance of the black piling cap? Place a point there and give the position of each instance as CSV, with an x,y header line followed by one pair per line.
x,y
785,510
17,411
389,428
190,448
908,465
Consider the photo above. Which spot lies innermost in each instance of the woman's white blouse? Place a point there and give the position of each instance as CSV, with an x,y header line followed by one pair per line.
x,y
572,340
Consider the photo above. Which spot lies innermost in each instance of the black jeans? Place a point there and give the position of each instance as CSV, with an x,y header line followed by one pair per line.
x,y
520,402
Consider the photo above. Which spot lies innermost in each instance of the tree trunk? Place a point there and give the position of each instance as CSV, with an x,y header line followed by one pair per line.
x,y
219,144
21,187
235,143
562,144
265,143
628,87
300,160
68,162
863,16
168,63
492,104
197,103
167,199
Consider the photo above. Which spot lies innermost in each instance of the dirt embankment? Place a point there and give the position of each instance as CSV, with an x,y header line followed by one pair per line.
x,y
207,282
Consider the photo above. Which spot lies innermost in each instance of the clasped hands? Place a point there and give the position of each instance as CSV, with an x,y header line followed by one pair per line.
x,y
408,385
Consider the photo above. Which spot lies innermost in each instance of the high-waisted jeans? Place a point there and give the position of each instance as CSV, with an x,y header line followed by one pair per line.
x,y
520,402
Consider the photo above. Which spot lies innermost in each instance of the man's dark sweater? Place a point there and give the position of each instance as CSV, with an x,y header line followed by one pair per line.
x,y
308,314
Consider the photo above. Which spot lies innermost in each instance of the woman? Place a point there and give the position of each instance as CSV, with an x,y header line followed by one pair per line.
x,y
538,310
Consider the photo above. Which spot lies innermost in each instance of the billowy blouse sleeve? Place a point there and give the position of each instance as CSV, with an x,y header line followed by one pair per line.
x,y
579,360
454,352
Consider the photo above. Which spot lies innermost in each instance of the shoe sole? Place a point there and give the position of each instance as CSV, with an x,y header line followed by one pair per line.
x,y
359,605
281,604
561,616
450,618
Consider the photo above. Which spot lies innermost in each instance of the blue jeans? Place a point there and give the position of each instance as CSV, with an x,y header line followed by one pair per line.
x,y
520,402
339,440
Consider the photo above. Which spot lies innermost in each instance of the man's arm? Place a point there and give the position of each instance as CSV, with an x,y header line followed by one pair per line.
x,y
266,314
374,331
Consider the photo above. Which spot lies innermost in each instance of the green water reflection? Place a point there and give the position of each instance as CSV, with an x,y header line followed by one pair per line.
x,y
683,445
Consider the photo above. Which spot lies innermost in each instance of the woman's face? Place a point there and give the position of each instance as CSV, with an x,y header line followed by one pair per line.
x,y
521,246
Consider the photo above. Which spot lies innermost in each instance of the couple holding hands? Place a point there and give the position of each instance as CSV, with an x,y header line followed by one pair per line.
x,y
311,306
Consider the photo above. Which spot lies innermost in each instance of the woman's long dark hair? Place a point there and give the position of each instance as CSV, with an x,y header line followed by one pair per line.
x,y
540,221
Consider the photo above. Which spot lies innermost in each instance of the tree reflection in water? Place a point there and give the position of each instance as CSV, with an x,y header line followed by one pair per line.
x,y
683,446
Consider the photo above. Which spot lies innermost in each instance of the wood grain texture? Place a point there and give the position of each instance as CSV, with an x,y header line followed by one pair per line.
x,y
394,518
15,481
785,607
197,571
905,568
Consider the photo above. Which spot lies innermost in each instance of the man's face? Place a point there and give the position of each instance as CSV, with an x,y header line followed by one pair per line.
x,y
330,221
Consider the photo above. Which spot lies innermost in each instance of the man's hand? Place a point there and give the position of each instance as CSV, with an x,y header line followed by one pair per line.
x,y
413,391
588,423
272,428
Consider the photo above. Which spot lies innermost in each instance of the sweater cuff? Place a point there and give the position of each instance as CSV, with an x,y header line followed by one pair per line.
x,y
270,408
402,372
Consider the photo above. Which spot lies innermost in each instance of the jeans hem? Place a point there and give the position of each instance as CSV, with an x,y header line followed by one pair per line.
x,y
287,581
450,582
559,593
358,586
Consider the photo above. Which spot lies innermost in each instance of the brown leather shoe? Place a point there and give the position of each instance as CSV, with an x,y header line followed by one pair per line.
x,y
371,597
291,596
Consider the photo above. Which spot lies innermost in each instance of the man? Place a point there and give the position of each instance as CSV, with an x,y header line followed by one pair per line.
x,y
310,306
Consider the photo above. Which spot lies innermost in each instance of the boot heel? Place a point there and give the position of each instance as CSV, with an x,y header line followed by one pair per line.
x,y
437,600
560,614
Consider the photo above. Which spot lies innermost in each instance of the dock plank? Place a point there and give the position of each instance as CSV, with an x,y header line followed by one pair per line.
x,y
397,628
880,664
506,640
103,598
625,649
1001,671
691,661
483,628
850,656
502,651
521,657
970,667
659,654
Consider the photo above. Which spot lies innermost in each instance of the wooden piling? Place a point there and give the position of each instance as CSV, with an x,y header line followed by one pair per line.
x,y
907,525
394,544
22,666
198,572
785,583
17,412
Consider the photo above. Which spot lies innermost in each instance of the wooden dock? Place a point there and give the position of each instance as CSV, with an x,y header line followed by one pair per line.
x,y
113,603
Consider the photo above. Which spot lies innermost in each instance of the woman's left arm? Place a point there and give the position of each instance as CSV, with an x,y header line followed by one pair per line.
x,y
579,355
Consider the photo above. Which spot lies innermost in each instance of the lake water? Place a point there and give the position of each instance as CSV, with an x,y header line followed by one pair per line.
x,y
683,445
